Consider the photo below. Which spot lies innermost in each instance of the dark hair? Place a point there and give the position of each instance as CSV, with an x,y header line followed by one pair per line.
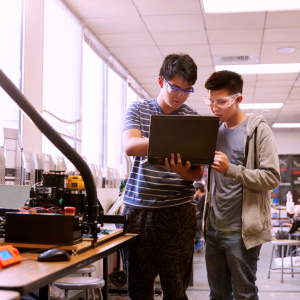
x,y
181,65
225,80
199,186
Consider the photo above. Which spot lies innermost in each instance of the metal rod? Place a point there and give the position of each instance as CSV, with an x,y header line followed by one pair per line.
x,y
58,141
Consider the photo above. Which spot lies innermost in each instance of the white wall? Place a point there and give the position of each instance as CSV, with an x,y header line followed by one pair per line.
x,y
288,142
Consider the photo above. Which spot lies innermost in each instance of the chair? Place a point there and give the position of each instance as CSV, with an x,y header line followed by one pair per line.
x,y
282,243
81,283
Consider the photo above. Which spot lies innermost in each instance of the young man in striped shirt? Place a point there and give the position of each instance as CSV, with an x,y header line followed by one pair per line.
x,y
157,199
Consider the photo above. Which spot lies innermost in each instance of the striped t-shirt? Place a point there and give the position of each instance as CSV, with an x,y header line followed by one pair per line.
x,y
149,185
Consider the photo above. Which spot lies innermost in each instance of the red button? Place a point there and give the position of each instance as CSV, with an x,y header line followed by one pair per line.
x,y
70,210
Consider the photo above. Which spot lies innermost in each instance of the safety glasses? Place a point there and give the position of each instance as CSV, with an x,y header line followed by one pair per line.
x,y
178,92
221,102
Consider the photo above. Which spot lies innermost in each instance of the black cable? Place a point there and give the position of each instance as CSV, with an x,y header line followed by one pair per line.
x,y
85,225
29,259
58,141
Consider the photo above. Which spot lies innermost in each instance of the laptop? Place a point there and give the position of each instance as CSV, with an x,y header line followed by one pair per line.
x,y
193,137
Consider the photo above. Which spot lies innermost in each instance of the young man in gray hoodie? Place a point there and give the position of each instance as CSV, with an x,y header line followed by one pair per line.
x,y
237,213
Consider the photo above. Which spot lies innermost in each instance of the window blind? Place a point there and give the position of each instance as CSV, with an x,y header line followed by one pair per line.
x,y
115,116
132,96
62,58
10,60
93,103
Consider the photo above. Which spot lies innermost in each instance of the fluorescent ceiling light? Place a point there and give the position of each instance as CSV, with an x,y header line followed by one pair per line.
x,y
260,105
286,125
228,6
286,49
261,68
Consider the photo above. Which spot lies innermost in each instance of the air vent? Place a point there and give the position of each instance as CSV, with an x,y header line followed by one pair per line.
x,y
236,60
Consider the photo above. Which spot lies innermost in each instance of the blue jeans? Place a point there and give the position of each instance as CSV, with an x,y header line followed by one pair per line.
x,y
199,232
231,269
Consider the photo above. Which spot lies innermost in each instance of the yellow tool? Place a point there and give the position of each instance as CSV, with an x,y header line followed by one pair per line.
x,y
75,183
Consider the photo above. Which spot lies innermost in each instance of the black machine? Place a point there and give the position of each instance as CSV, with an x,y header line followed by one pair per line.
x,y
40,228
54,194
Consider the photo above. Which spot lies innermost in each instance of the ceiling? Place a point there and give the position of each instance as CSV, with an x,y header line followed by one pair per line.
x,y
140,33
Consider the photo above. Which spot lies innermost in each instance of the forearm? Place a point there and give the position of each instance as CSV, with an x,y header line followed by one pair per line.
x,y
136,146
258,179
193,173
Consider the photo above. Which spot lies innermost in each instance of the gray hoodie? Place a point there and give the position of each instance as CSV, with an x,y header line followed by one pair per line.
x,y
259,174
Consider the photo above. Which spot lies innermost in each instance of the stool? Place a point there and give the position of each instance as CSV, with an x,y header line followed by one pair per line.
x,y
296,235
276,270
9,295
86,270
80,283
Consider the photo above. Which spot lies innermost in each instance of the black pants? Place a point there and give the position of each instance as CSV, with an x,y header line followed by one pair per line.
x,y
165,247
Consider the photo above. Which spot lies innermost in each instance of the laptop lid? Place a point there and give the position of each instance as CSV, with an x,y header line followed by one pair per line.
x,y
193,137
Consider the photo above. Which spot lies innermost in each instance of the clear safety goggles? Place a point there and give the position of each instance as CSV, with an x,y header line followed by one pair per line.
x,y
178,92
221,102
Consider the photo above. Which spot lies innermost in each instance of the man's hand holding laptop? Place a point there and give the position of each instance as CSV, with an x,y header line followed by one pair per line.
x,y
187,172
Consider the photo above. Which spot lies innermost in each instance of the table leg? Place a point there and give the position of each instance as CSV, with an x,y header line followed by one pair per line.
x,y
282,255
105,277
291,254
271,261
44,293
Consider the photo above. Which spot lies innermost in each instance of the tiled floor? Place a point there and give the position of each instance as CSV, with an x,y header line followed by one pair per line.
x,y
269,289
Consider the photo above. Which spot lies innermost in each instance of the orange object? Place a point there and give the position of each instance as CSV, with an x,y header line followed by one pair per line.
x,y
9,255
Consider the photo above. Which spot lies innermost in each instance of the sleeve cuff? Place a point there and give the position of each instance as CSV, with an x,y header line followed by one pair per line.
x,y
232,171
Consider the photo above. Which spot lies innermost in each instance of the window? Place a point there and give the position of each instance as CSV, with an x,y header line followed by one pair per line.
x,y
61,74
115,116
131,96
93,95
10,60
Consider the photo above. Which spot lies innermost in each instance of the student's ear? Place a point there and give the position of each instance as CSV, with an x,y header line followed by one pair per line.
x,y
239,99
160,82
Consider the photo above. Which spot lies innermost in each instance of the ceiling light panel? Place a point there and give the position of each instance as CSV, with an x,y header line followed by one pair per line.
x,y
128,40
273,90
234,21
228,6
136,52
261,68
97,9
174,23
192,50
286,125
295,94
234,35
180,38
235,49
280,58
116,25
274,77
283,19
275,35
173,7
267,97
260,105
277,83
